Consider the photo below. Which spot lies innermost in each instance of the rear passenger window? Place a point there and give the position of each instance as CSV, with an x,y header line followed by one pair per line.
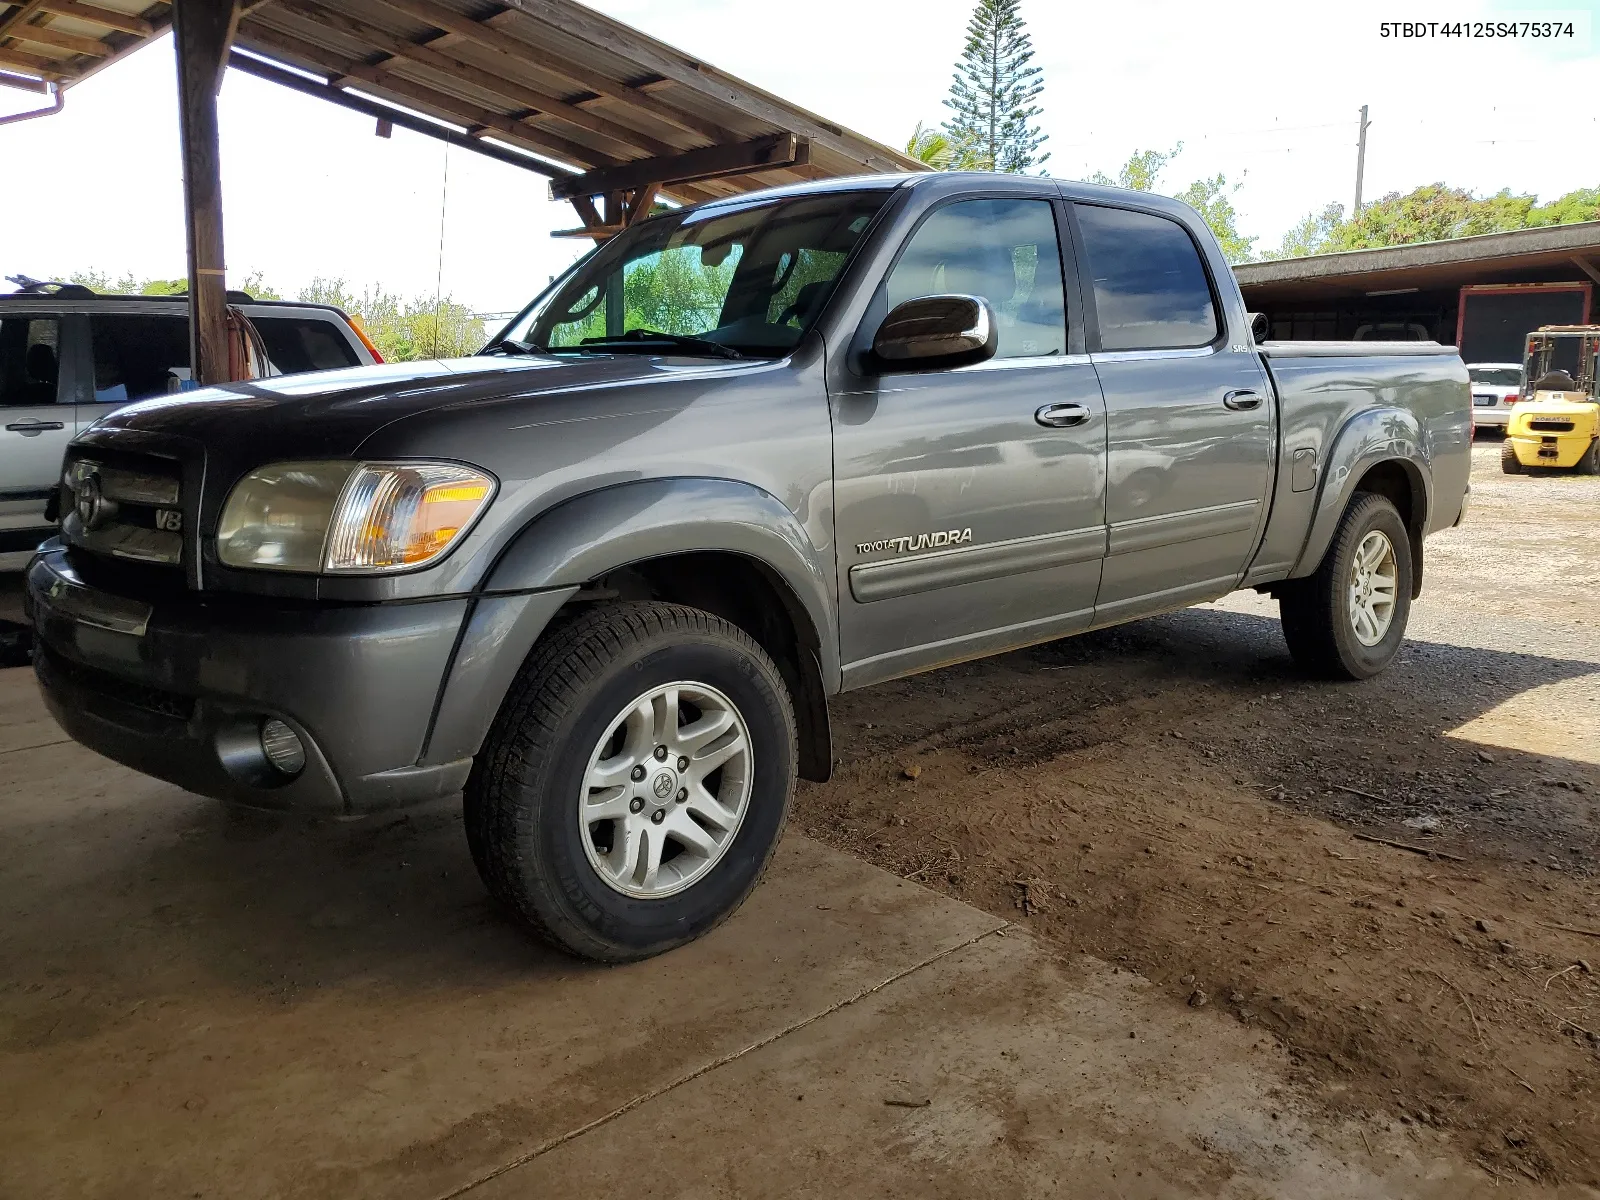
x,y
304,344
1150,287
138,355
30,361
1003,250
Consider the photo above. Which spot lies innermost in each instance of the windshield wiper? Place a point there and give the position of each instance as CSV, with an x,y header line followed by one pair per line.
x,y
512,346
642,337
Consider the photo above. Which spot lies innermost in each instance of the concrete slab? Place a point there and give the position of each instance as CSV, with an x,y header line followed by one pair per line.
x,y
202,1004
996,1070
195,1004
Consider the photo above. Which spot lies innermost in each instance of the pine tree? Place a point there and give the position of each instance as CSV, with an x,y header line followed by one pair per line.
x,y
993,92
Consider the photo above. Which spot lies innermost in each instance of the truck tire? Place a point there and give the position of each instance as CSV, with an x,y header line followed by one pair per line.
x,y
1589,464
1509,462
635,783
1348,619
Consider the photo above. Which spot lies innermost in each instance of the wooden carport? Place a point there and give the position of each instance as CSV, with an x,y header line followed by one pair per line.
x,y
614,118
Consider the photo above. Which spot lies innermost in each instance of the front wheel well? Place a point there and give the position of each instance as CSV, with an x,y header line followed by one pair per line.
x,y
750,595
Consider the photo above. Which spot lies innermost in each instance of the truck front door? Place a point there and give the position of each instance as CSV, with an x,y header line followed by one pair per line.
x,y
970,502
1190,417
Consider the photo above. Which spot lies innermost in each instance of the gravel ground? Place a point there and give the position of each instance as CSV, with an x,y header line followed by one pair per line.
x,y
1395,879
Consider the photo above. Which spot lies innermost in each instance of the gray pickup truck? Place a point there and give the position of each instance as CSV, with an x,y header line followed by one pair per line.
x,y
604,576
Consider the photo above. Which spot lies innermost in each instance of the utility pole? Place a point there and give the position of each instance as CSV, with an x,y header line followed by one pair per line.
x,y
1361,159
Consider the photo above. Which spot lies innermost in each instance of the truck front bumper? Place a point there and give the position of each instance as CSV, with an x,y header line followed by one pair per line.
x,y
179,689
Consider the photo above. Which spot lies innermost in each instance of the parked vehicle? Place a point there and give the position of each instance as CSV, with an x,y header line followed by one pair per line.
x,y
69,356
605,576
1558,424
1393,331
1496,387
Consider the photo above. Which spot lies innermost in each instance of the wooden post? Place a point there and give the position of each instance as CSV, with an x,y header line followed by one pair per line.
x,y
202,32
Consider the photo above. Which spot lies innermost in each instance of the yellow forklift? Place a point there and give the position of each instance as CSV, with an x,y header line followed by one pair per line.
x,y
1556,419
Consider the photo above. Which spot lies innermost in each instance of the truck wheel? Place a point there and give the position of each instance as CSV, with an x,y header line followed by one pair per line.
x,y
1589,464
635,782
1509,462
1348,619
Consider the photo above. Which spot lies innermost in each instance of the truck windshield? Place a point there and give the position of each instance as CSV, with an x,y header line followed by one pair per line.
x,y
726,281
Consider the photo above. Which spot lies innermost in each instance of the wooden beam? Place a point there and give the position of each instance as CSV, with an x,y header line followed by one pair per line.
x,y
34,64
584,24
600,233
24,13
383,112
780,150
43,35
451,108
120,21
542,103
528,54
639,203
1587,267
202,33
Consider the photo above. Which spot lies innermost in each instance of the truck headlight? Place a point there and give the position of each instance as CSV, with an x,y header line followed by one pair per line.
x,y
349,518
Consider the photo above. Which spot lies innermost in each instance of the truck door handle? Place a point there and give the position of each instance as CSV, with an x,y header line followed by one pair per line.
x,y
33,428
1061,415
1242,400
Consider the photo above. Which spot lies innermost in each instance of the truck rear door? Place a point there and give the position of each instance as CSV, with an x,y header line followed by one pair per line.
x,y
1189,414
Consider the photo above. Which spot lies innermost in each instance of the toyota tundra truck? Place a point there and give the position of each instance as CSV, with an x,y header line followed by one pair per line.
x,y
603,577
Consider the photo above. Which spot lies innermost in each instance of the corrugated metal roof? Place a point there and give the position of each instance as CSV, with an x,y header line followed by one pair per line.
x,y
550,78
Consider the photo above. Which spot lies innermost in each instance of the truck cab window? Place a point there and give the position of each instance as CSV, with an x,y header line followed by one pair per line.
x,y
1003,250
30,361
1150,287
138,355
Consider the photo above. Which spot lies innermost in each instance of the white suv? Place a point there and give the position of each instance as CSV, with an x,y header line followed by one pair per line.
x,y
69,356
1495,388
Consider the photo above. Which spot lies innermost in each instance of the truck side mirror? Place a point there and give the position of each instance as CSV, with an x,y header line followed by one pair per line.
x,y
936,331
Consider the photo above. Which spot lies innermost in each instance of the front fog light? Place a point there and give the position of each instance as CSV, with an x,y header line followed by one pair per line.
x,y
282,747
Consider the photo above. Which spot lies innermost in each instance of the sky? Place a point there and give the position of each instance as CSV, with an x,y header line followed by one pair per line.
x,y
1266,93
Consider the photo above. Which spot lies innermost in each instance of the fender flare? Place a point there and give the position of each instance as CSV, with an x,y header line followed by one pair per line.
x,y
589,535
1368,439
600,531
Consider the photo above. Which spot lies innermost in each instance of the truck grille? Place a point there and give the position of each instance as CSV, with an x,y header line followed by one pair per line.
x,y
130,508
1550,426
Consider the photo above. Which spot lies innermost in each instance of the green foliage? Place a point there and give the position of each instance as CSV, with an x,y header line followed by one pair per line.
x,y
403,330
992,95
254,283
934,147
1141,170
1309,234
101,282
1211,198
1432,213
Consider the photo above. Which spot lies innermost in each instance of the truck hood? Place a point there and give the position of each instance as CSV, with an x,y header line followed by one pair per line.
x,y
331,413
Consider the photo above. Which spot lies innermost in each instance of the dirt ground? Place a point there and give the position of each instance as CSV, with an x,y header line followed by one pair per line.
x,y
1171,797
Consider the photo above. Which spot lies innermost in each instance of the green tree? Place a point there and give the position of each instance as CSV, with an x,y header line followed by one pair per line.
x,y
1213,199
1431,213
1141,170
992,95
403,330
936,148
